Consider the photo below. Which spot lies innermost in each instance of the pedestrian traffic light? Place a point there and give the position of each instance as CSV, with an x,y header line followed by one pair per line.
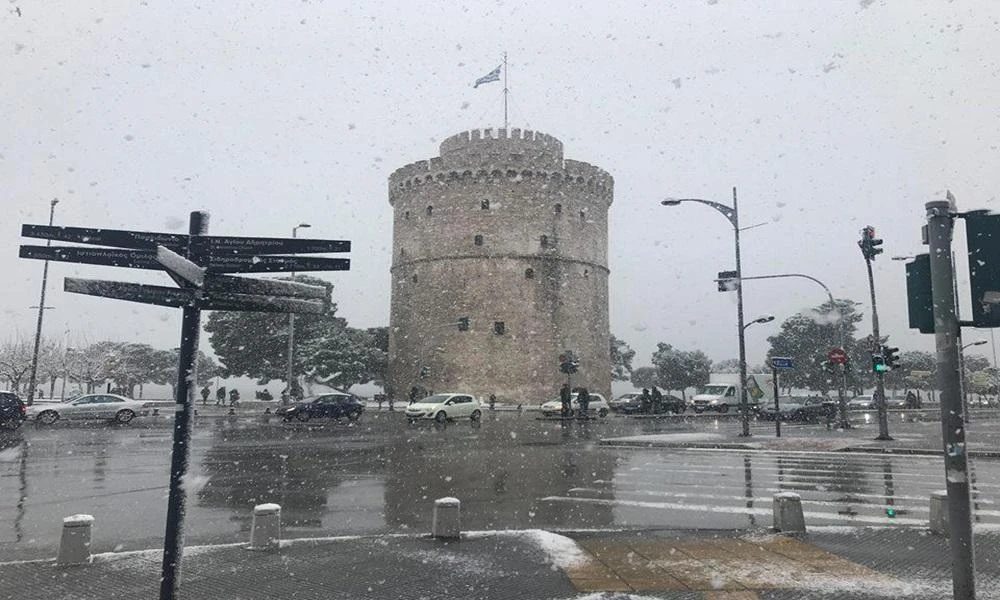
x,y
869,244
891,357
425,372
463,323
878,363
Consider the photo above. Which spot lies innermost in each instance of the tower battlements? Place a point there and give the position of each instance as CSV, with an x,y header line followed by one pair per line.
x,y
513,154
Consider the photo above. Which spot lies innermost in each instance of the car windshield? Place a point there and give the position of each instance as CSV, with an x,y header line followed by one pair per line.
x,y
334,256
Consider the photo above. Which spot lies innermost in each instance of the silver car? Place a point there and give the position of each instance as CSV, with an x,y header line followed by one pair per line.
x,y
107,407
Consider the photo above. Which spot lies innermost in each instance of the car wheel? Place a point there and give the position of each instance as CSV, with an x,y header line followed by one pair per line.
x,y
124,416
354,415
441,417
680,409
570,413
476,414
48,417
11,425
602,413
723,409
302,416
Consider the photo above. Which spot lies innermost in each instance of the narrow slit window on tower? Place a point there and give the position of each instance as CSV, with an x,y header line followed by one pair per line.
x,y
429,210
485,204
583,216
499,328
529,273
544,241
402,252
478,240
586,273
558,209
414,278
406,216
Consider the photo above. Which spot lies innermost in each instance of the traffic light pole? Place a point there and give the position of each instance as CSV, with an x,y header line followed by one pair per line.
x,y
948,345
883,417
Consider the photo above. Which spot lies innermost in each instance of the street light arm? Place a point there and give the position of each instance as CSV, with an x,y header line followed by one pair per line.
x,y
728,211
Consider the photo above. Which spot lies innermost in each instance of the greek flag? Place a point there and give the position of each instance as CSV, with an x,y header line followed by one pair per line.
x,y
493,75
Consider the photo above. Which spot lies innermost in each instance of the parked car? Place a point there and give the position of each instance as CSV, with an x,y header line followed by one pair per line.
x,y
626,400
108,407
597,406
12,411
799,409
332,406
445,407
861,403
634,405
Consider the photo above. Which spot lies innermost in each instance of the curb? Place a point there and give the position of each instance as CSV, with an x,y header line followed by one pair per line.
x,y
753,448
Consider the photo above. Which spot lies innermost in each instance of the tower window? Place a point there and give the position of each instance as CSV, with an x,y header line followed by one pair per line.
x,y
499,328
529,273
402,252
406,215
586,273
414,278
478,240
544,241
558,209
429,210
583,215
485,204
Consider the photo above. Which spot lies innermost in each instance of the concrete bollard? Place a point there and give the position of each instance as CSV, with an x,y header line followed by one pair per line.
x,y
787,509
74,546
265,532
939,513
447,522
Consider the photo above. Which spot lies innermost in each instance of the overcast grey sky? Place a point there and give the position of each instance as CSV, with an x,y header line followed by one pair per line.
x,y
827,115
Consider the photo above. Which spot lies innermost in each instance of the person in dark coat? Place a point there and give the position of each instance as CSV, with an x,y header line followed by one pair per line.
x,y
565,396
234,397
204,395
493,401
645,402
220,396
657,400
583,399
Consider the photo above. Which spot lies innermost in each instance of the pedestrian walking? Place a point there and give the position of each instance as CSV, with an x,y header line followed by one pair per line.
x,y
645,402
565,396
583,399
657,399
234,398
220,396
911,399
414,393
493,401
204,395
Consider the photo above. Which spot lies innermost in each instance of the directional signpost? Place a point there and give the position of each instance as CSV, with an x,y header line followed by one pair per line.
x,y
198,263
778,363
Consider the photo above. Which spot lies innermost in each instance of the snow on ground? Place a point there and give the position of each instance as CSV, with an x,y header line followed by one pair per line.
x,y
561,551
671,437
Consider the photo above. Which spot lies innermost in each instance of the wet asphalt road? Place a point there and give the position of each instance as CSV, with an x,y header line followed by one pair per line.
x,y
380,475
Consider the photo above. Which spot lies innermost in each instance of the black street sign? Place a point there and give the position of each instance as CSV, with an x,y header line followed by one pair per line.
x,y
116,238
146,259
209,244
274,287
112,257
983,234
181,297
133,292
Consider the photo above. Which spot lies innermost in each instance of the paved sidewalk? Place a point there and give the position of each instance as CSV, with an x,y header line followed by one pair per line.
x,y
828,563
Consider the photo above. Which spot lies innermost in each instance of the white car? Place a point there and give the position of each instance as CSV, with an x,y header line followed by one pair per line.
x,y
445,407
597,406
109,407
866,402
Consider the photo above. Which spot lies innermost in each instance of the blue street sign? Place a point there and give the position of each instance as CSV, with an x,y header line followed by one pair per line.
x,y
782,362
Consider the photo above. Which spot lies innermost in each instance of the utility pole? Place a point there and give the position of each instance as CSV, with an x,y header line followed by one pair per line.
x,y
869,245
41,312
940,222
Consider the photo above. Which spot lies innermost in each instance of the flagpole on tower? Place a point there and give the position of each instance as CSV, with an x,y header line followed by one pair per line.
x,y
505,90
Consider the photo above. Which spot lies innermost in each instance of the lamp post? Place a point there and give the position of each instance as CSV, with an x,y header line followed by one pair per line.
x,y
763,319
965,380
733,215
41,311
291,334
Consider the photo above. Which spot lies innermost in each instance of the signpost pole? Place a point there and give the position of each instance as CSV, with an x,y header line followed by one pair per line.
x,y
947,342
173,537
777,411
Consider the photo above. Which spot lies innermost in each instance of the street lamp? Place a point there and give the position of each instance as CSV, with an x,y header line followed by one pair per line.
x,y
291,333
733,215
41,311
763,319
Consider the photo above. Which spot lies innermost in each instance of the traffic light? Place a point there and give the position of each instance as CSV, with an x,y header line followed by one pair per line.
x,y
891,357
463,323
869,244
425,372
567,363
878,364
728,281
919,297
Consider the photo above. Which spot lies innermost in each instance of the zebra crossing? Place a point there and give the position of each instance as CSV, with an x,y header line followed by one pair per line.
x,y
695,488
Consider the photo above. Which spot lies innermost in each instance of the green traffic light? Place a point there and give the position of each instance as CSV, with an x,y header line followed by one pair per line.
x,y
890,512
881,368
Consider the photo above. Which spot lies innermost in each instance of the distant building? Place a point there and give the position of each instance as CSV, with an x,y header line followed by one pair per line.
x,y
500,230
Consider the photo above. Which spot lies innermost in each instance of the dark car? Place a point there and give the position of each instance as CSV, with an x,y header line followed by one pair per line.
x,y
635,405
799,409
13,412
331,406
